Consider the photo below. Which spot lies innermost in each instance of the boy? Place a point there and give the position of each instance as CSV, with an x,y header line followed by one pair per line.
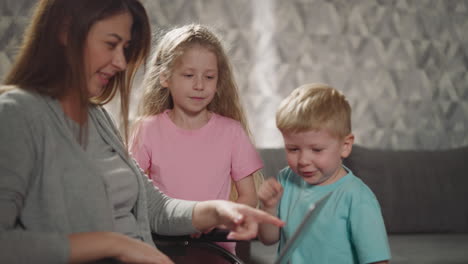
x,y
315,121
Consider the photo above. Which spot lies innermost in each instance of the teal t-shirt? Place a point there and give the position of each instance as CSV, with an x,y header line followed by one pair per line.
x,y
349,229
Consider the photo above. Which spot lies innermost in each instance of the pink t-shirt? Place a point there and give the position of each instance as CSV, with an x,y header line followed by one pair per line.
x,y
195,164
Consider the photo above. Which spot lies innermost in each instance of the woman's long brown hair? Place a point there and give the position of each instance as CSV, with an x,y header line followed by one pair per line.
x,y
47,66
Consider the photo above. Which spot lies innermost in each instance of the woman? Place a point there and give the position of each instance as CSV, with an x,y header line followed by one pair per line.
x,y
69,192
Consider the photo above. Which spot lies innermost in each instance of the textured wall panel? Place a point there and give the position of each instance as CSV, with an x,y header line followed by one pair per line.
x,y
402,64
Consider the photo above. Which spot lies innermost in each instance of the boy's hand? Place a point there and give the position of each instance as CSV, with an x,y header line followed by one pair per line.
x,y
270,193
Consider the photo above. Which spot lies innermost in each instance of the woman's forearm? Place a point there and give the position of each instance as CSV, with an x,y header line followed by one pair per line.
x,y
91,246
204,216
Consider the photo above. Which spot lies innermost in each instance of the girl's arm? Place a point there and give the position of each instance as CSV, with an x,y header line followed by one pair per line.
x,y
246,191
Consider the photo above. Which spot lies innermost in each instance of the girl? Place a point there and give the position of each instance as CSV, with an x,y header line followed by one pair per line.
x,y
69,192
192,137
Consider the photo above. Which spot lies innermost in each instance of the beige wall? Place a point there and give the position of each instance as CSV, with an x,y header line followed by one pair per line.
x,y
402,64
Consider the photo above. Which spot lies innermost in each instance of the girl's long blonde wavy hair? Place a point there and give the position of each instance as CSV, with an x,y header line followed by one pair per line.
x,y
170,48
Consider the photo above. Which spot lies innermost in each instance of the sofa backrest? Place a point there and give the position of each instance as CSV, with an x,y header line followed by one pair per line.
x,y
418,191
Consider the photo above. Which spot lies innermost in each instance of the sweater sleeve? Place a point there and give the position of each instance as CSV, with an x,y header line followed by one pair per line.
x,y
18,162
168,216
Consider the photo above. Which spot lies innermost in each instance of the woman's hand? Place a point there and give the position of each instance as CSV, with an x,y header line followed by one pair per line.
x,y
241,219
92,246
138,252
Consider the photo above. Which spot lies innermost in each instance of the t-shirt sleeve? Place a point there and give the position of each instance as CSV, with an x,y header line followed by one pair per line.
x,y
139,147
245,158
368,231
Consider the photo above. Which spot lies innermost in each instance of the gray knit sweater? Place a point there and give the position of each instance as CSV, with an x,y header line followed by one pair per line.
x,y
50,188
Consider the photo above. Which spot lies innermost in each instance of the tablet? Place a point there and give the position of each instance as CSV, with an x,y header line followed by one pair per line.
x,y
298,235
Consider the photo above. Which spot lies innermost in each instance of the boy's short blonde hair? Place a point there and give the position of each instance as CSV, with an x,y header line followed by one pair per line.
x,y
312,107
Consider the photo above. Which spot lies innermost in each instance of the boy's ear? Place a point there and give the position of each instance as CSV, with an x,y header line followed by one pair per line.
x,y
347,146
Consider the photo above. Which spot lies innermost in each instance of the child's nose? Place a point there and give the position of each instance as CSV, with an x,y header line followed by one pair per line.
x,y
304,159
198,83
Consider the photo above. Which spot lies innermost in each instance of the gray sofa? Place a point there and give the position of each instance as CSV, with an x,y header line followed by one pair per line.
x,y
423,196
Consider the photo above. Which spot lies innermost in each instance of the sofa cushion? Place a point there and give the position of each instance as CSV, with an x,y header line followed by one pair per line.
x,y
274,160
418,191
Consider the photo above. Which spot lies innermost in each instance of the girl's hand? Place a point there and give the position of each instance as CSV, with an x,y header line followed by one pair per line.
x,y
270,193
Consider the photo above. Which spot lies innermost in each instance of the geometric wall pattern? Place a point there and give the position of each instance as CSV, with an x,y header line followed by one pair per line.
x,y
403,64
